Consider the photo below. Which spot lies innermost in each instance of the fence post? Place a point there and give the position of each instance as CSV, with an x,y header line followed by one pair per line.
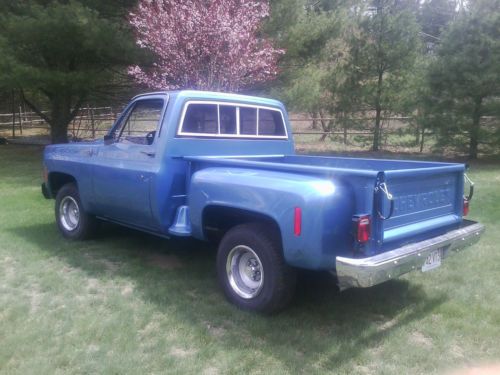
x,y
92,123
20,121
13,115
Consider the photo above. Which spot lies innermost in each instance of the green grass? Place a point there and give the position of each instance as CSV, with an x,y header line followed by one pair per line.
x,y
129,303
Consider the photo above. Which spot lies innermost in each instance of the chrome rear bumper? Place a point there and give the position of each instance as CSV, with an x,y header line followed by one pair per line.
x,y
366,272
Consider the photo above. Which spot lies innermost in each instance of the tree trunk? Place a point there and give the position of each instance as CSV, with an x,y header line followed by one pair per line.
x,y
378,113
314,125
325,125
61,114
59,133
474,131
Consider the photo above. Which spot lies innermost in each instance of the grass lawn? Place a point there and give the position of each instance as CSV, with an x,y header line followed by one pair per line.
x,y
130,303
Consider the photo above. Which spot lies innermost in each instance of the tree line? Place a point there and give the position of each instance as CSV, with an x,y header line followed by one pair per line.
x,y
437,61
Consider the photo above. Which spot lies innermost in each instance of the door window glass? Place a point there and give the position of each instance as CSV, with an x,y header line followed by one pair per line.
x,y
142,122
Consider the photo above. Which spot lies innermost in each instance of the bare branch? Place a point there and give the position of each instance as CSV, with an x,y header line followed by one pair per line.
x,y
35,108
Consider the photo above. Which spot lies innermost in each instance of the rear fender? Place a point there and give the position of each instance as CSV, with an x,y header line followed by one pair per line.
x,y
275,195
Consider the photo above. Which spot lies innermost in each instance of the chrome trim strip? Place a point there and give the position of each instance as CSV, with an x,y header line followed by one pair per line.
x,y
366,272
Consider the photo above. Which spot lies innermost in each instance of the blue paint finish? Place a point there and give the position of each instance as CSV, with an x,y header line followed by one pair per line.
x,y
143,186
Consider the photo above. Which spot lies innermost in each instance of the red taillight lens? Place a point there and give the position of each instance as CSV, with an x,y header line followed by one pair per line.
x,y
297,221
363,229
466,207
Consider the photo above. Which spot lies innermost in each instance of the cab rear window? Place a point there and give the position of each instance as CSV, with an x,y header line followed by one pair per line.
x,y
215,119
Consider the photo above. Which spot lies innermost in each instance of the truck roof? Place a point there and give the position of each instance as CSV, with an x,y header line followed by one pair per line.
x,y
213,95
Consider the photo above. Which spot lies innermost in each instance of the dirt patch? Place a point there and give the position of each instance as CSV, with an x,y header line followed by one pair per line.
x,y
362,370
420,339
106,263
9,268
387,325
211,371
127,290
92,285
216,331
109,265
457,351
164,261
182,353
35,297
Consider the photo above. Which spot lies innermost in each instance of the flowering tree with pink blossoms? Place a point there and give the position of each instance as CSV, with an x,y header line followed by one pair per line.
x,y
204,44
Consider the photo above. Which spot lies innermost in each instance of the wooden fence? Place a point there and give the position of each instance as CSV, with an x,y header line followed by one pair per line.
x,y
89,123
93,122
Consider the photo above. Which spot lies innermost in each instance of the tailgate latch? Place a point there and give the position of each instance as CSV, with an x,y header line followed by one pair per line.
x,y
471,187
382,187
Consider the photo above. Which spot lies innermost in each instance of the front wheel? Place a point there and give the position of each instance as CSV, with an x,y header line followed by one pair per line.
x,y
73,222
252,271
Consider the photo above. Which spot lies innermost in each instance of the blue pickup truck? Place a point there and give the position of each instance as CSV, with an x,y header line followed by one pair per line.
x,y
221,167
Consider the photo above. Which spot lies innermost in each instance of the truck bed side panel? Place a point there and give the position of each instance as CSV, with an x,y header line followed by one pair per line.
x,y
326,213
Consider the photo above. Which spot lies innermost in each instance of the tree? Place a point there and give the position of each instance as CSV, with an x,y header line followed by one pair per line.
x,y
465,76
61,53
434,17
204,44
383,53
313,34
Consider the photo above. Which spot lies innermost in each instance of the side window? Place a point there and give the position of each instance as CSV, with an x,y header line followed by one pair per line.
x,y
200,118
227,115
142,122
271,123
248,121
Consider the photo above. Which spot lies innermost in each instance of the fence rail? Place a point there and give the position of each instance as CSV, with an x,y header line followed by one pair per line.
x,y
92,122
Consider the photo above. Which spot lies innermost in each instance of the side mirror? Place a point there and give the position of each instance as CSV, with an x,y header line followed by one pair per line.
x,y
109,139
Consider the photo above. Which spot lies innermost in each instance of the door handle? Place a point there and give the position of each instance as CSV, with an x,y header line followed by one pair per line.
x,y
150,154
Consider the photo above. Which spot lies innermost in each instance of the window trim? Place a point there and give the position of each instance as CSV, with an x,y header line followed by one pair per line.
x,y
237,105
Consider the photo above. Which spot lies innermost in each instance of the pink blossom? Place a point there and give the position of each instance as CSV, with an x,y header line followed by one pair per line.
x,y
207,44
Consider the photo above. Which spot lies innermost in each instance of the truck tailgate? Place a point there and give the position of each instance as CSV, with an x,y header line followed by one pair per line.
x,y
426,201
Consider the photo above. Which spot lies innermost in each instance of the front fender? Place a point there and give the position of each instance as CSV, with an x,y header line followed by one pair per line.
x,y
72,159
325,230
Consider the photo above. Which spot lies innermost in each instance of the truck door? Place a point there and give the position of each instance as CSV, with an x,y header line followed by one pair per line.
x,y
126,165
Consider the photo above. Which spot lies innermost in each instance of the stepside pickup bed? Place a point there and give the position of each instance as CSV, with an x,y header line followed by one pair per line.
x,y
222,167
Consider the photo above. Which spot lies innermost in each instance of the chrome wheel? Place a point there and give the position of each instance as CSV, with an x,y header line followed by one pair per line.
x,y
245,272
69,213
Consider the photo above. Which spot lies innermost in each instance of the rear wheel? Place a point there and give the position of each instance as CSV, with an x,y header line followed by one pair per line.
x,y
73,222
252,271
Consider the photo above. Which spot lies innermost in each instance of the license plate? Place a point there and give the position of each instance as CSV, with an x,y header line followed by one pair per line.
x,y
433,260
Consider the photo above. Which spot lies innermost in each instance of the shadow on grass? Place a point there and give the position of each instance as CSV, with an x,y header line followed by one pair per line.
x,y
322,327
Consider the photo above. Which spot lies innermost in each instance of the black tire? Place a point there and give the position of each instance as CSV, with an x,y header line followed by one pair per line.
x,y
278,279
82,228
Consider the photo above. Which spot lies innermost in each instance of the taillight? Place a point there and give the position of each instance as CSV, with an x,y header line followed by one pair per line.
x,y
466,207
362,229
297,221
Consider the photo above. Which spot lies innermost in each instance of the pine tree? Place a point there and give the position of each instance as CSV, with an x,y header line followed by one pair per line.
x,y
465,76
59,54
